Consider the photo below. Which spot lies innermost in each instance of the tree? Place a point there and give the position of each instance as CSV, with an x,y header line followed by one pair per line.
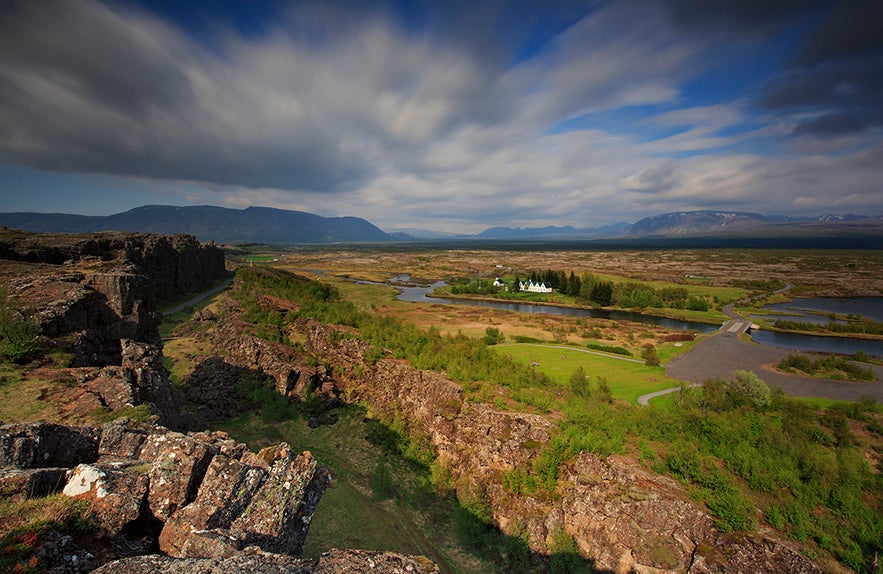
x,y
602,293
754,389
573,285
650,356
579,384
516,286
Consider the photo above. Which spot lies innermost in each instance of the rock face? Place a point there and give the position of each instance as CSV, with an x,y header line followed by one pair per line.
x,y
97,289
624,518
198,495
96,296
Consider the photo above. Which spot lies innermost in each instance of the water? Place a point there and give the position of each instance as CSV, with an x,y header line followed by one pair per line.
x,y
841,345
419,294
815,310
868,307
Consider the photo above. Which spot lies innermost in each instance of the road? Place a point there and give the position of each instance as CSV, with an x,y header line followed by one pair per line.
x,y
197,298
724,352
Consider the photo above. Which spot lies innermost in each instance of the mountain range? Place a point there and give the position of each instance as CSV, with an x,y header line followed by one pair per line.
x,y
279,226
210,223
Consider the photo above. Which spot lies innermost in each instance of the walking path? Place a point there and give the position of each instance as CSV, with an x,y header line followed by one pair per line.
x,y
197,298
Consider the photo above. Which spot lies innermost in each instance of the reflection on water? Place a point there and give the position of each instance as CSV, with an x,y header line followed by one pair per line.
x,y
842,345
817,309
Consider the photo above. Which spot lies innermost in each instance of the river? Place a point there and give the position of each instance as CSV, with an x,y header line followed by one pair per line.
x,y
865,306
420,294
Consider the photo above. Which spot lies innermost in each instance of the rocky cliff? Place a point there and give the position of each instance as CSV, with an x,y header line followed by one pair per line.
x,y
204,501
96,297
625,518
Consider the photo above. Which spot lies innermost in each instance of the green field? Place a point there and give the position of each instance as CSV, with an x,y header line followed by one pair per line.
x,y
628,378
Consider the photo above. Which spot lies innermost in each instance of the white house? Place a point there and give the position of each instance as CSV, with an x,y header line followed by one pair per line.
x,y
534,287
499,283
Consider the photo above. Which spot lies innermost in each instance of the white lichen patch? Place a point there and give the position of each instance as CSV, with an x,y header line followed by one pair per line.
x,y
86,478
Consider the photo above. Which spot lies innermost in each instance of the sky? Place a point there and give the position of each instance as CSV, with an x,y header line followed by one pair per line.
x,y
444,115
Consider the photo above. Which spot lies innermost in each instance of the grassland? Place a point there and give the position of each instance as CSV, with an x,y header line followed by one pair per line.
x,y
628,378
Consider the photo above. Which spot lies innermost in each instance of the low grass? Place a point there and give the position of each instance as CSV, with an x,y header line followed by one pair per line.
x,y
627,379
24,523
20,397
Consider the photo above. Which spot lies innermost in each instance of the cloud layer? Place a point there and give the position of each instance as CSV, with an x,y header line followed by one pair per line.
x,y
445,123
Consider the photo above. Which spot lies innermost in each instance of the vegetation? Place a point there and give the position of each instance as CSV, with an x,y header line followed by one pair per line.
x,y
855,326
18,332
24,524
735,444
828,367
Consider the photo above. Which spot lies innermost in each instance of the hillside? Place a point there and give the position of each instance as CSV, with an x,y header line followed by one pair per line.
x,y
210,223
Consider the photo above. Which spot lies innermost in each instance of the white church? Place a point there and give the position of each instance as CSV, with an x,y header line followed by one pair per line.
x,y
529,286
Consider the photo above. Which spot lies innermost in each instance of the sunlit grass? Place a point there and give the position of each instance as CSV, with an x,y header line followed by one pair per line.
x,y
627,379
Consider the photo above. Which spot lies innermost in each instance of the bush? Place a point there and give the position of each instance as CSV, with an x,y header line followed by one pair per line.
x,y
650,356
757,391
18,332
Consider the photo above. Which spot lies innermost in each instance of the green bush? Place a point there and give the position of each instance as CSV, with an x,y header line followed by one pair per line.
x,y
18,331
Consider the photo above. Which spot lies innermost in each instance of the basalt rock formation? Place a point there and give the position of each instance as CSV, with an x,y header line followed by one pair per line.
x,y
195,495
96,297
201,499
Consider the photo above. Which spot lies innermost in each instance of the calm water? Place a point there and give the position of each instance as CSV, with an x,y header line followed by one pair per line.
x,y
419,294
814,310
843,345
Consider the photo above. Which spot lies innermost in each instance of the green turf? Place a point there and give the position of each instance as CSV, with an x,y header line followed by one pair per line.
x,y
627,379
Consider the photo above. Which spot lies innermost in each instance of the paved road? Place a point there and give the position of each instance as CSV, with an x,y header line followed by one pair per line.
x,y
197,298
725,351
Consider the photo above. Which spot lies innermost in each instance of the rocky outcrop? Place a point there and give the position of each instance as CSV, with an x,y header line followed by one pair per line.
x,y
94,290
255,561
197,495
624,518
291,371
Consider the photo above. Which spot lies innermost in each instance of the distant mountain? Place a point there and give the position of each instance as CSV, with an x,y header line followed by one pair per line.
x,y
209,223
738,223
415,233
552,231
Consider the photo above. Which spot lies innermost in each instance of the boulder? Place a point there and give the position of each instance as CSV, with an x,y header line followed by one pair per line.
x,y
121,439
278,516
116,496
256,561
178,465
201,528
20,484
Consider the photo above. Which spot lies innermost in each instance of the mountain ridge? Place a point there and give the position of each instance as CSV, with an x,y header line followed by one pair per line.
x,y
211,223
279,226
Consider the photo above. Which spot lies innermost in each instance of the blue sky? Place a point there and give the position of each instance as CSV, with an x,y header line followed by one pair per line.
x,y
453,116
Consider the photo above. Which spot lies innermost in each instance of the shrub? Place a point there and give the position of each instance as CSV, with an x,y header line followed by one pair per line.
x,y
757,391
650,356
18,332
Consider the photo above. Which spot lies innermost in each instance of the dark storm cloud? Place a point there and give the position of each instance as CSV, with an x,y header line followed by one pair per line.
x,y
752,16
86,89
837,76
